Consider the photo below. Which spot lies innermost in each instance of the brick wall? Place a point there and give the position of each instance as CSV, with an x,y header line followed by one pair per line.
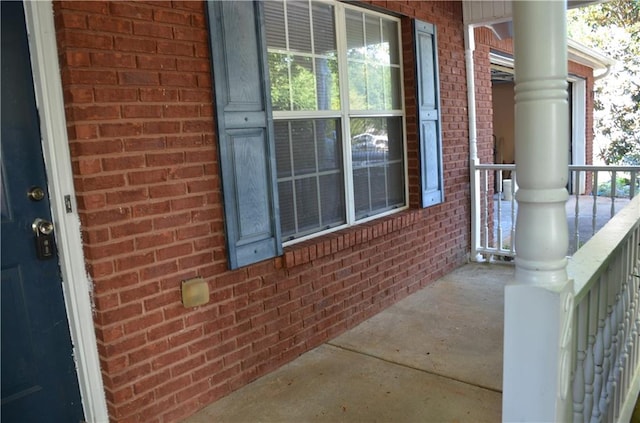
x,y
138,101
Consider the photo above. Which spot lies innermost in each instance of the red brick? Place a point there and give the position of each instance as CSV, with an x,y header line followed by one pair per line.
x,y
161,127
81,113
174,251
120,314
156,271
134,261
127,197
95,41
153,240
158,94
120,129
143,322
138,78
106,24
115,95
175,17
154,62
175,48
131,10
152,29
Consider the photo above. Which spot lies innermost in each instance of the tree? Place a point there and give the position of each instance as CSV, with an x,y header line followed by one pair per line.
x,y
614,28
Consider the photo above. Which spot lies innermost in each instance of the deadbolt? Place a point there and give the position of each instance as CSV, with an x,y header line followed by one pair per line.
x,y
45,244
42,227
36,194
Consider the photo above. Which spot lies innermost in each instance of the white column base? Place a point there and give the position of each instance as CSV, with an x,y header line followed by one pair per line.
x,y
537,342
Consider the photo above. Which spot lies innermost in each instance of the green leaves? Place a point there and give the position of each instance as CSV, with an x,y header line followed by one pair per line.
x,y
614,28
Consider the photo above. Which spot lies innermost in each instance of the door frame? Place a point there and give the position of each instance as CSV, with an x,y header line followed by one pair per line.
x,y
76,284
578,124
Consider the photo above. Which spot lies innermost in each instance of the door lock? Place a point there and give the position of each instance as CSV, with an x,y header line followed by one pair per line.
x,y
45,245
35,194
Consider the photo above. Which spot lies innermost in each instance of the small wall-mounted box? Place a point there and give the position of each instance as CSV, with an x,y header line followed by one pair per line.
x,y
195,292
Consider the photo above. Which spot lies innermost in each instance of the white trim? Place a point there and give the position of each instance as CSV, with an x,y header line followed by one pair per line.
x,y
587,56
578,127
75,281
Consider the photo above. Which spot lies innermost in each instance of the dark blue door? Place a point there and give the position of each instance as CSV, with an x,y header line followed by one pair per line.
x,y
39,381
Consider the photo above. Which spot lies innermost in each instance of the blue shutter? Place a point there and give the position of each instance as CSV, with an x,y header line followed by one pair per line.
x,y
429,131
245,131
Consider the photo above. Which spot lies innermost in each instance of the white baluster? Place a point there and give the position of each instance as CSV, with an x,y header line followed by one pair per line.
x,y
608,351
579,371
599,352
594,213
576,223
485,195
589,361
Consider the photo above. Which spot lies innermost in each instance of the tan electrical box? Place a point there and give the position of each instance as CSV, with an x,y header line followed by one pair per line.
x,y
195,292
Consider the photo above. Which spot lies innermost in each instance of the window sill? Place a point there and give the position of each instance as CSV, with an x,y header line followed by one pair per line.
x,y
332,243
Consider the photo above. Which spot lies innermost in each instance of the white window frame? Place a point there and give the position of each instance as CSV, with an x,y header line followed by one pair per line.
x,y
345,114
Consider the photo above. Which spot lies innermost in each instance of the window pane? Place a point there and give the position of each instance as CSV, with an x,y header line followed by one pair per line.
x,y
303,140
307,209
393,98
355,35
361,191
283,148
374,71
328,90
395,182
313,198
299,26
324,38
357,85
280,84
332,199
378,169
303,84
303,69
328,144
274,20
374,39
376,91
287,212
390,37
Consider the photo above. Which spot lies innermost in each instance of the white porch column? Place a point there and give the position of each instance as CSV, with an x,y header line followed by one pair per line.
x,y
539,304
469,47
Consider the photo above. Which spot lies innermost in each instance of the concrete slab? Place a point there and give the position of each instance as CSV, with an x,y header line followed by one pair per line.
x,y
330,384
452,328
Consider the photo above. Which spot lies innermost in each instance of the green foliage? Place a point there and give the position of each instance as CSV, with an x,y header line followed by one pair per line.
x,y
614,28
622,187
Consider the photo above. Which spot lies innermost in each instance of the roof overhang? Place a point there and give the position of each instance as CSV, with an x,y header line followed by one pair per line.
x,y
587,56
497,15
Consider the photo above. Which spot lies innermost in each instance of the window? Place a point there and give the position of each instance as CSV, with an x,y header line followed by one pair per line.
x,y
336,94
310,119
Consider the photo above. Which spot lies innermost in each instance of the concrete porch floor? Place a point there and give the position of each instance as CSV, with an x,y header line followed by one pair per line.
x,y
435,356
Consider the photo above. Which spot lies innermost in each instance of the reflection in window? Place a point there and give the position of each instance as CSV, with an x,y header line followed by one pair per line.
x,y
378,171
330,173
373,62
303,64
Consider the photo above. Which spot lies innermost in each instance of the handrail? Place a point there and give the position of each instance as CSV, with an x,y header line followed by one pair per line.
x,y
606,347
587,209
588,262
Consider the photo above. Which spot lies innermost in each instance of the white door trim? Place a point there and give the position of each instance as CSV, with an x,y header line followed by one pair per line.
x,y
76,283
579,126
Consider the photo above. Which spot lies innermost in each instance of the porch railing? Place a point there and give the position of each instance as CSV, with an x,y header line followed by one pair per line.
x,y
597,194
606,274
